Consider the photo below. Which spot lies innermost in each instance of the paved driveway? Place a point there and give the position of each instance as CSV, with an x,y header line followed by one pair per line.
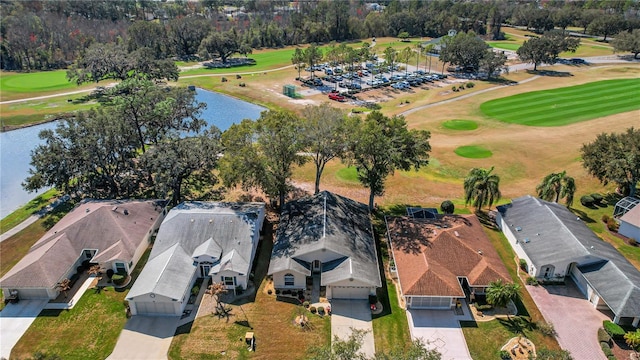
x,y
576,321
145,337
15,319
347,314
442,330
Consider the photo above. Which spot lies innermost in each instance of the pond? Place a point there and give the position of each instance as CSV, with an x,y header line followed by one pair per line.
x,y
15,146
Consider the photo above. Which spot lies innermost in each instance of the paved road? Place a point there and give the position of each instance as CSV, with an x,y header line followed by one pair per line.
x,y
15,319
356,314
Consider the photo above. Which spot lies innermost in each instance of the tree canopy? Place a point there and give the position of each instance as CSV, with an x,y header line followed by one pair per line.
x,y
261,154
465,50
380,145
545,49
614,157
628,41
325,135
500,294
481,187
219,45
144,140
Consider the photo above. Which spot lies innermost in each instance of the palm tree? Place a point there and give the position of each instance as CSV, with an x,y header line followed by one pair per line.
x,y
64,286
556,186
405,56
500,294
481,187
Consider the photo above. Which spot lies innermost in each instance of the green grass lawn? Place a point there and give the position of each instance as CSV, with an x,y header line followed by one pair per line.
x,y
473,152
27,210
390,328
504,45
567,105
34,82
348,174
88,331
460,124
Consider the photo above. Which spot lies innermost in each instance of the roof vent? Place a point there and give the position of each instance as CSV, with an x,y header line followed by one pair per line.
x,y
87,210
115,208
592,247
538,234
578,218
479,251
126,212
518,228
192,220
456,233
526,240
210,221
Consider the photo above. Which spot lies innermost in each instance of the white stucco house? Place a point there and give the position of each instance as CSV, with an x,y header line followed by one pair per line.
x,y
630,224
330,238
111,233
197,240
556,244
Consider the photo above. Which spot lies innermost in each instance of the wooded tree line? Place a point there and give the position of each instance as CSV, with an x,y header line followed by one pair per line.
x,y
44,35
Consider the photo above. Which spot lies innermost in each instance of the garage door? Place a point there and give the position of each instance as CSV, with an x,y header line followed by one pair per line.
x,y
33,294
155,308
349,292
430,302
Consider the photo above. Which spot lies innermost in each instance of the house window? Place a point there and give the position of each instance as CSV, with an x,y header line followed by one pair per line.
x,y
121,268
228,280
289,280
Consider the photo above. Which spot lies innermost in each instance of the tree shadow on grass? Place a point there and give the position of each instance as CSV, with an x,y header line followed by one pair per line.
x,y
583,215
518,324
184,329
550,73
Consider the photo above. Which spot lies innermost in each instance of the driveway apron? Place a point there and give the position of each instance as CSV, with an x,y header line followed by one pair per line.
x,y
145,337
575,320
15,319
356,314
441,329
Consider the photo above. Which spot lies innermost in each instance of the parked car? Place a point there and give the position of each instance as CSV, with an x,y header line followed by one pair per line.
x,y
328,71
317,82
336,97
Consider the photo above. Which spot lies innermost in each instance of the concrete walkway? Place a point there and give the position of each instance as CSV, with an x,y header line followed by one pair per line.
x,y
15,319
441,329
145,337
33,218
356,314
575,320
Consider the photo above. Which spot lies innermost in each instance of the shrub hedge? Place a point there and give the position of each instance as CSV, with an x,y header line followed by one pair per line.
x,y
586,200
604,336
597,198
616,332
523,265
606,349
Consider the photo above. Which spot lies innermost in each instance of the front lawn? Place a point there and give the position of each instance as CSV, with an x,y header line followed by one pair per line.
x,y
566,105
390,328
210,337
88,331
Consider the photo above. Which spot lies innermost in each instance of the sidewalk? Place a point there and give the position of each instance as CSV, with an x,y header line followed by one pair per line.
x,y
33,218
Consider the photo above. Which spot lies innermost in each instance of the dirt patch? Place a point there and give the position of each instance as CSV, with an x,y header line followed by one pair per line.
x,y
520,348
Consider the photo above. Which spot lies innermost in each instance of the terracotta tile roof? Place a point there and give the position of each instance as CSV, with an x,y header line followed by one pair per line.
x,y
430,254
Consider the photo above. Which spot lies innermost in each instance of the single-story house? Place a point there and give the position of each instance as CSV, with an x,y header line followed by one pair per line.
x,y
441,260
555,243
111,233
197,240
630,224
330,237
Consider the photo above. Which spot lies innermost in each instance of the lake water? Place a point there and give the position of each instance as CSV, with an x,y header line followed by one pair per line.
x,y
15,146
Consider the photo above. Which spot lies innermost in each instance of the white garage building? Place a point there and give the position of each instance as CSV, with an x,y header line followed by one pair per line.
x,y
328,238
556,244
197,239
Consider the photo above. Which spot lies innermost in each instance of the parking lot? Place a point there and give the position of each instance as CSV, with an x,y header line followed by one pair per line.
x,y
343,85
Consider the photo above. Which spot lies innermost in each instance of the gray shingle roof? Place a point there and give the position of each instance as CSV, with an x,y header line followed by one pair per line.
x,y
221,230
327,222
562,236
93,224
